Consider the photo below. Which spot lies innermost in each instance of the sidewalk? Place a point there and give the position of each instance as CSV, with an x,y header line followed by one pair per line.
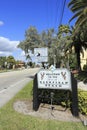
x,y
7,94
82,86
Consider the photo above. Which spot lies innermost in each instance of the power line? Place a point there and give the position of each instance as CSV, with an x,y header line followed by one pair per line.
x,y
49,13
57,9
61,18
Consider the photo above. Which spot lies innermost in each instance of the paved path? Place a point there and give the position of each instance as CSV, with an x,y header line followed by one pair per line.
x,y
82,86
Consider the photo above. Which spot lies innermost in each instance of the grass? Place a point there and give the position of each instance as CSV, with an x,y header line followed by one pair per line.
x,y
12,120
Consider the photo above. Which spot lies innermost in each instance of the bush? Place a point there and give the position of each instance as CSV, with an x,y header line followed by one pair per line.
x,y
85,67
82,101
61,98
82,76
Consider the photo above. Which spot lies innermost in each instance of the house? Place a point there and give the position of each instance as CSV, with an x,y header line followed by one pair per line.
x,y
83,59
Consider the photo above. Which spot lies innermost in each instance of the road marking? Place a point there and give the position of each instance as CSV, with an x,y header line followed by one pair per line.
x,y
16,83
2,91
11,86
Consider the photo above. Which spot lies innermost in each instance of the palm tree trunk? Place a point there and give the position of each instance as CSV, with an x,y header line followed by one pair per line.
x,y
78,61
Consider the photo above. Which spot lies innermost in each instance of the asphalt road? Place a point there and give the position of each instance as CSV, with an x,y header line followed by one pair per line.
x,y
9,79
14,81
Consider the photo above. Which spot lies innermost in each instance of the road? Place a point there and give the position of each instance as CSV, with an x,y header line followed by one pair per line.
x,y
12,82
9,79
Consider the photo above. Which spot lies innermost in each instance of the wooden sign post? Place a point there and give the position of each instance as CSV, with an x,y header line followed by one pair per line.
x,y
57,79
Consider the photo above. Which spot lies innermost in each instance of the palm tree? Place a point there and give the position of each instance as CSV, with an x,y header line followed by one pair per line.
x,y
79,7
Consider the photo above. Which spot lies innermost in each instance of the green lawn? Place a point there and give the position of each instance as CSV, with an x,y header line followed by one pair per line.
x,y
12,120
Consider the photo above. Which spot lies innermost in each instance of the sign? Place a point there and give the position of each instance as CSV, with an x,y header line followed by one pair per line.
x,y
57,79
41,54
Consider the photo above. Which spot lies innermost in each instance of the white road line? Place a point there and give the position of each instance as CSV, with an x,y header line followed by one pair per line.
x,y
11,86
2,91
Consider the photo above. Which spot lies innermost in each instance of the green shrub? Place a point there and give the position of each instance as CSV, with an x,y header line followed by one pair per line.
x,y
60,97
82,101
64,98
85,67
82,76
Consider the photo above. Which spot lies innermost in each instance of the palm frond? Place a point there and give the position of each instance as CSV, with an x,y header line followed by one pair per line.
x,y
81,20
78,6
76,15
72,2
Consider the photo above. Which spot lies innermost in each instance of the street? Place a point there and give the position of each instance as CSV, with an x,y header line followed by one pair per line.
x,y
12,82
9,79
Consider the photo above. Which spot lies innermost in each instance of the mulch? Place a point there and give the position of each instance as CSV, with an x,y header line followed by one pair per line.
x,y
45,112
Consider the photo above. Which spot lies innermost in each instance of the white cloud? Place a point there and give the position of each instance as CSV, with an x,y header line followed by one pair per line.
x,y
22,54
5,53
7,46
1,23
19,55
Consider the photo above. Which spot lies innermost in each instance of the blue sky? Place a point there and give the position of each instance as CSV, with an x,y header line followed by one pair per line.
x,y
16,16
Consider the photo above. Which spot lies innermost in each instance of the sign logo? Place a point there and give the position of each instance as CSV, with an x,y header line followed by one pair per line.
x,y
42,75
64,75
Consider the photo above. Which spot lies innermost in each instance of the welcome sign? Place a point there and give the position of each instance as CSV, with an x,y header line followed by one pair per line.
x,y
57,79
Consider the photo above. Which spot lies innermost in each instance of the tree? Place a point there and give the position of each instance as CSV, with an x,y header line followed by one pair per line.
x,y
10,62
32,40
47,37
79,7
79,43
64,42
2,61
63,31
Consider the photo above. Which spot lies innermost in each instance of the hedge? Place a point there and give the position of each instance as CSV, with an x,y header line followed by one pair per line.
x,y
82,101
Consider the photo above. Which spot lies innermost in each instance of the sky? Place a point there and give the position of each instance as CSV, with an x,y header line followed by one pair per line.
x,y
16,16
